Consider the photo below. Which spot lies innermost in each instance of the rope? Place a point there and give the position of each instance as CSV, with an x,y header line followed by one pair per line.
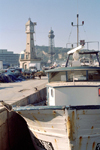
x,y
70,35
85,33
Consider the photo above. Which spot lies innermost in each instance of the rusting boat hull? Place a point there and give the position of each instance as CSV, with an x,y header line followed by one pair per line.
x,y
63,128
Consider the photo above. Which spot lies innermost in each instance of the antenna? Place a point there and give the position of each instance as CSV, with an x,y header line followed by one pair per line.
x,y
77,6
77,27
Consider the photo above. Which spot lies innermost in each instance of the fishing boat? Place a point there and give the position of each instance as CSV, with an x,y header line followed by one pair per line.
x,y
71,118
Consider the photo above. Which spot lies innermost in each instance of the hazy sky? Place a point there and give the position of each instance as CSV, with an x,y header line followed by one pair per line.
x,y
57,14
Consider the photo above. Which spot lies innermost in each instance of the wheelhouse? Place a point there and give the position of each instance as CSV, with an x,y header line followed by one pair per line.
x,y
70,74
73,86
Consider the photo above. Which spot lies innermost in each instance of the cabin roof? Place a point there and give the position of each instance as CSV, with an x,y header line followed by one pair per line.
x,y
73,68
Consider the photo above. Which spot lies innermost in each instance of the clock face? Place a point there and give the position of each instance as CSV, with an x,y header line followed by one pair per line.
x,y
30,28
27,28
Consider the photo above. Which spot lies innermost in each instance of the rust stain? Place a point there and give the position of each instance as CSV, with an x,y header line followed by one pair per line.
x,y
78,127
72,147
93,146
44,131
73,122
52,127
87,142
80,138
83,112
54,112
80,142
39,124
86,146
56,144
38,112
35,118
92,127
77,116
19,112
71,126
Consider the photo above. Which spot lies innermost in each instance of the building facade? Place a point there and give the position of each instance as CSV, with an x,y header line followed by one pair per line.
x,y
8,57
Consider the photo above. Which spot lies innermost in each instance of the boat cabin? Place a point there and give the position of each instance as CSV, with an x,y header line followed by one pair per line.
x,y
73,86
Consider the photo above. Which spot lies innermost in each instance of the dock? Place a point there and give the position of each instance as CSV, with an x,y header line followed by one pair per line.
x,y
14,133
12,93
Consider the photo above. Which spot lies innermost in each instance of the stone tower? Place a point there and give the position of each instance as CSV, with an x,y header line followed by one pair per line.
x,y
30,49
28,58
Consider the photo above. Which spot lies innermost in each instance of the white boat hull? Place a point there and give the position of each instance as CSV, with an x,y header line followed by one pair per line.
x,y
63,128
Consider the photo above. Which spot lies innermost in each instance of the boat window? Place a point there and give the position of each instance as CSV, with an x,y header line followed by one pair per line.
x,y
52,92
94,75
57,76
76,76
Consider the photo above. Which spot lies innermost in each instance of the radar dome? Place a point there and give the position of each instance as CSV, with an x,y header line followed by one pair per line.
x,y
76,56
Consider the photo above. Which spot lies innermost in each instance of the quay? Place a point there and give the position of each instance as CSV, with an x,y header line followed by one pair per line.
x,y
12,93
14,133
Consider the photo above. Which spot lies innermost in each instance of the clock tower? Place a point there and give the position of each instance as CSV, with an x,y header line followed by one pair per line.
x,y
28,58
30,49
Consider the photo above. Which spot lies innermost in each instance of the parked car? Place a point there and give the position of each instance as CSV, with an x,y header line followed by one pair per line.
x,y
33,69
5,71
12,69
27,72
19,69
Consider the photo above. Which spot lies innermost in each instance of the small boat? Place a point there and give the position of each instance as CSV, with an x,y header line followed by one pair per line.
x,y
71,119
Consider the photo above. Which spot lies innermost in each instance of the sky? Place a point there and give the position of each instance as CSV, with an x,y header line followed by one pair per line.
x,y
55,14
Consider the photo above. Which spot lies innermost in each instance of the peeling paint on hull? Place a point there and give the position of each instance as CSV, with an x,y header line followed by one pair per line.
x,y
63,128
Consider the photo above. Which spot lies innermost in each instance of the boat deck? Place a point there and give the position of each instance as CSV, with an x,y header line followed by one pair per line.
x,y
59,84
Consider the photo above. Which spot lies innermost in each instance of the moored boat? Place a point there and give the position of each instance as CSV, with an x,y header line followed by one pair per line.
x,y
71,119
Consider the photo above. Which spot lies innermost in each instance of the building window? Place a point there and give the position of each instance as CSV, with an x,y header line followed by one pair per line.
x,y
27,43
32,49
26,56
31,38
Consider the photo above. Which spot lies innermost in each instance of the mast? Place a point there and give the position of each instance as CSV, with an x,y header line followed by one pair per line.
x,y
78,28
77,31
